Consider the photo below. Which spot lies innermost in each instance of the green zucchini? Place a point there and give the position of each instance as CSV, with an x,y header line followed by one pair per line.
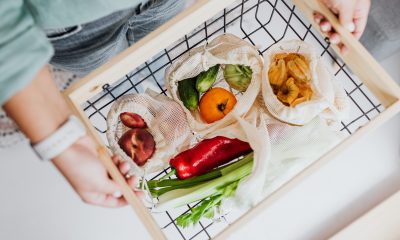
x,y
206,79
188,93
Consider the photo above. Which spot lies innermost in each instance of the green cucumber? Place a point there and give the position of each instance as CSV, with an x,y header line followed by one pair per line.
x,y
188,93
206,79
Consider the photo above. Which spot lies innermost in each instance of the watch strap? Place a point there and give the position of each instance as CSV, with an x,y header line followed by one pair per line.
x,y
61,139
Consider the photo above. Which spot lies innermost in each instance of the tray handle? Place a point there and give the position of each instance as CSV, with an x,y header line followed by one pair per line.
x,y
105,157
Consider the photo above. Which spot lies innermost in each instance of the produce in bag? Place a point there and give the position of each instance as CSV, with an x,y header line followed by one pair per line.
x,y
198,179
290,76
238,76
188,93
206,79
132,120
201,164
208,154
215,104
139,144
202,63
147,130
297,86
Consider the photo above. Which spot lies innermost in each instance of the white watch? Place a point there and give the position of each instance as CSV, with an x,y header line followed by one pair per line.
x,y
61,139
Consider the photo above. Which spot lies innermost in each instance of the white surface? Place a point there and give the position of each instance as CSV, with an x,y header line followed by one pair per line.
x,y
37,203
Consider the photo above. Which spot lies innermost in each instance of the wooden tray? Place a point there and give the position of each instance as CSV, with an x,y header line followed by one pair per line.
x,y
92,96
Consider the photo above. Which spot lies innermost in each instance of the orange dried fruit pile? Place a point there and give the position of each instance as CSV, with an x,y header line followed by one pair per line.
x,y
290,76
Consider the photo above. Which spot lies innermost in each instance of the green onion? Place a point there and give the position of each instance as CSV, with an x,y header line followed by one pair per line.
x,y
207,207
162,186
182,196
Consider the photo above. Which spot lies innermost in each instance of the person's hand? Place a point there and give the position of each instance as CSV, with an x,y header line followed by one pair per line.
x,y
41,100
353,15
87,175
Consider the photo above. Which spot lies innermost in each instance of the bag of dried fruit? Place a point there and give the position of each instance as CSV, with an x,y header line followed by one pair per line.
x,y
147,130
215,81
297,86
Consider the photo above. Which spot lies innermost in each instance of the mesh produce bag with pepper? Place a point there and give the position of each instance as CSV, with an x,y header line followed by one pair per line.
x,y
247,188
224,50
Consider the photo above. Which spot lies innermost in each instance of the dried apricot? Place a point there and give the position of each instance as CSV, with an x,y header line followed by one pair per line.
x,y
288,92
277,73
305,94
299,69
289,76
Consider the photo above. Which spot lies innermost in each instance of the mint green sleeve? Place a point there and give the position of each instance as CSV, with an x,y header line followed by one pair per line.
x,y
24,48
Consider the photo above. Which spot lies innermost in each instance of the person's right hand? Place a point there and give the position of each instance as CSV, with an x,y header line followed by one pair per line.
x,y
353,15
39,109
81,167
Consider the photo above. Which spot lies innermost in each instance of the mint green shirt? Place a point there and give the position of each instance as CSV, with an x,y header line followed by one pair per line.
x,y
25,49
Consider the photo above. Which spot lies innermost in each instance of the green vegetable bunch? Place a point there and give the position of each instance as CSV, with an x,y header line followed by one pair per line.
x,y
212,187
208,206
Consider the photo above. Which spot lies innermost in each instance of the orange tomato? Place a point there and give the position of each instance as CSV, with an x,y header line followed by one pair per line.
x,y
215,104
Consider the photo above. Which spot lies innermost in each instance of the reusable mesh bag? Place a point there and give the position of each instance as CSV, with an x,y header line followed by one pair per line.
x,y
165,120
249,191
225,49
252,129
285,149
293,148
329,99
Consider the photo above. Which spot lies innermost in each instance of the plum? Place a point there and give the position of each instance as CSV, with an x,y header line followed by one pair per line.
x,y
132,120
139,144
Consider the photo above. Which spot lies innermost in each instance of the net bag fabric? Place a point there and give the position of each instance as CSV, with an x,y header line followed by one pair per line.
x,y
225,49
294,148
329,99
166,121
249,191
250,128
285,149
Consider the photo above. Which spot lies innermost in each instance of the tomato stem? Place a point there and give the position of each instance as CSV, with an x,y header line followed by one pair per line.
x,y
222,106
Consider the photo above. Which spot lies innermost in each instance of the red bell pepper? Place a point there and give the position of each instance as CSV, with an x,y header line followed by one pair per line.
x,y
208,154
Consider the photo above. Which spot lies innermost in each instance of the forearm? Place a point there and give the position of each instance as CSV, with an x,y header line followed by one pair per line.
x,y
39,109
